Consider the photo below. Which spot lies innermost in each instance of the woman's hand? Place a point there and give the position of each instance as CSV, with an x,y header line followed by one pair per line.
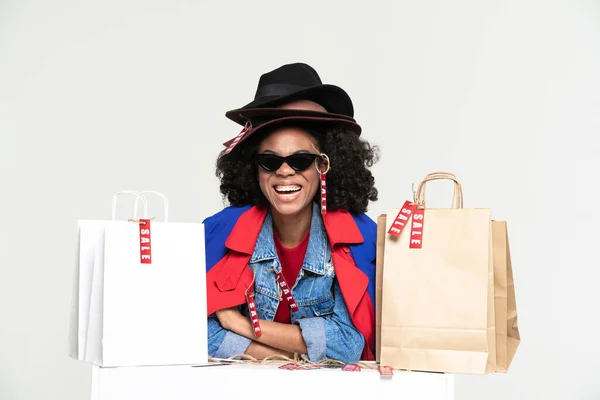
x,y
230,318
286,337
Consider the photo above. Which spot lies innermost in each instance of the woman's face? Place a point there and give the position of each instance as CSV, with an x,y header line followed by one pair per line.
x,y
288,191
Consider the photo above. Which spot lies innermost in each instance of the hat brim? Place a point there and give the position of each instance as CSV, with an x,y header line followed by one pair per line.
x,y
333,98
275,113
323,119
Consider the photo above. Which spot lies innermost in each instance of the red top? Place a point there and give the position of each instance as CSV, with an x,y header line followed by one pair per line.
x,y
291,260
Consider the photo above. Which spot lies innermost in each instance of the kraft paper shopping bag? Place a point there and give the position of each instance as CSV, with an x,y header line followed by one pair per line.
x,y
381,224
438,309
507,330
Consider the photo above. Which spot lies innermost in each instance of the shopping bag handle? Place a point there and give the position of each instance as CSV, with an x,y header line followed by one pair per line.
x,y
457,197
164,199
135,207
441,175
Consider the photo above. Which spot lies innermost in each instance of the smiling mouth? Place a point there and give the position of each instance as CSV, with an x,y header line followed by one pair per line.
x,y
288,189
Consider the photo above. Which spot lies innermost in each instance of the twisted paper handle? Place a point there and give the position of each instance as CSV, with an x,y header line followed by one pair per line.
x,y
457,198
300,360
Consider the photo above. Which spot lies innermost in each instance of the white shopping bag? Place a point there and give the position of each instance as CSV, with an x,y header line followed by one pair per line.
x,y
147,300
89,236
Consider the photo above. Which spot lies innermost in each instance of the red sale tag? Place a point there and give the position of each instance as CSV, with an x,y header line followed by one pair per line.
x,y
253,313
351,367
323,193
145,247
385,372
416,232
287,293
402,218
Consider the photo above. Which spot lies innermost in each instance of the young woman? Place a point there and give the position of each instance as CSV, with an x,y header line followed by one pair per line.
x,y
291,261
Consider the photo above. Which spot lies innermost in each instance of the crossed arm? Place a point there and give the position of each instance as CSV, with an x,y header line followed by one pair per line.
x,y
276,338
327,336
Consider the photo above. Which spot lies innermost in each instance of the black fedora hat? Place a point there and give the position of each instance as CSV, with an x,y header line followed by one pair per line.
x,y
297,81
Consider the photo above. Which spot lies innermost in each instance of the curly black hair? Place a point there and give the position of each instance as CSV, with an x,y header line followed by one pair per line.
x,y
350,184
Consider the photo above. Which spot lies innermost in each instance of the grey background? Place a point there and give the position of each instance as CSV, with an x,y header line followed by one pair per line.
x,y
97,97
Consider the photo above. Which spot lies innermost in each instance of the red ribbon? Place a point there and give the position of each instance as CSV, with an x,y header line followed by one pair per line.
x,y
287,292
253,312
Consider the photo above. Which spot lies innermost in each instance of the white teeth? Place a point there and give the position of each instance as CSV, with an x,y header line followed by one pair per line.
x,y
290,188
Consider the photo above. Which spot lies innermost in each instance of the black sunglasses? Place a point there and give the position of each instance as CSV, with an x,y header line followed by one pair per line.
x,y
298,161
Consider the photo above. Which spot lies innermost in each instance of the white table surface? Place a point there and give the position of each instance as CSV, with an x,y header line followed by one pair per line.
x,y
233,381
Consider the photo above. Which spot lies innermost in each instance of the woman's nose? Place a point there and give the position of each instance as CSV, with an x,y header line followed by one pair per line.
x,y
285,170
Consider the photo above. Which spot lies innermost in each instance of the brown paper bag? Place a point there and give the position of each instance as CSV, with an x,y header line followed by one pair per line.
x,y
437,306
513,335
379,282
507,330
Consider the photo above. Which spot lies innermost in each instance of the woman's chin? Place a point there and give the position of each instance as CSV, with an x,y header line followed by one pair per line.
x,y
289,208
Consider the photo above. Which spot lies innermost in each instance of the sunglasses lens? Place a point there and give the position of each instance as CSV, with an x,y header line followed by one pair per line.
x,y
269,162
300,162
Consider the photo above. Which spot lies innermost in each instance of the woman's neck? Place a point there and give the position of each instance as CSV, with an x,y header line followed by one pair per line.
x,y
291,229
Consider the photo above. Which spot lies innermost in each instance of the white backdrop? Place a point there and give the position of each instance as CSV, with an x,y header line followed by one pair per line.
x,y
97,97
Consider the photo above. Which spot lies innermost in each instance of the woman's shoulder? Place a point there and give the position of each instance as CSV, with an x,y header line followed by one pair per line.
x,y
217,228
219,225
226,214
364,253
363,218
346,223
367,227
